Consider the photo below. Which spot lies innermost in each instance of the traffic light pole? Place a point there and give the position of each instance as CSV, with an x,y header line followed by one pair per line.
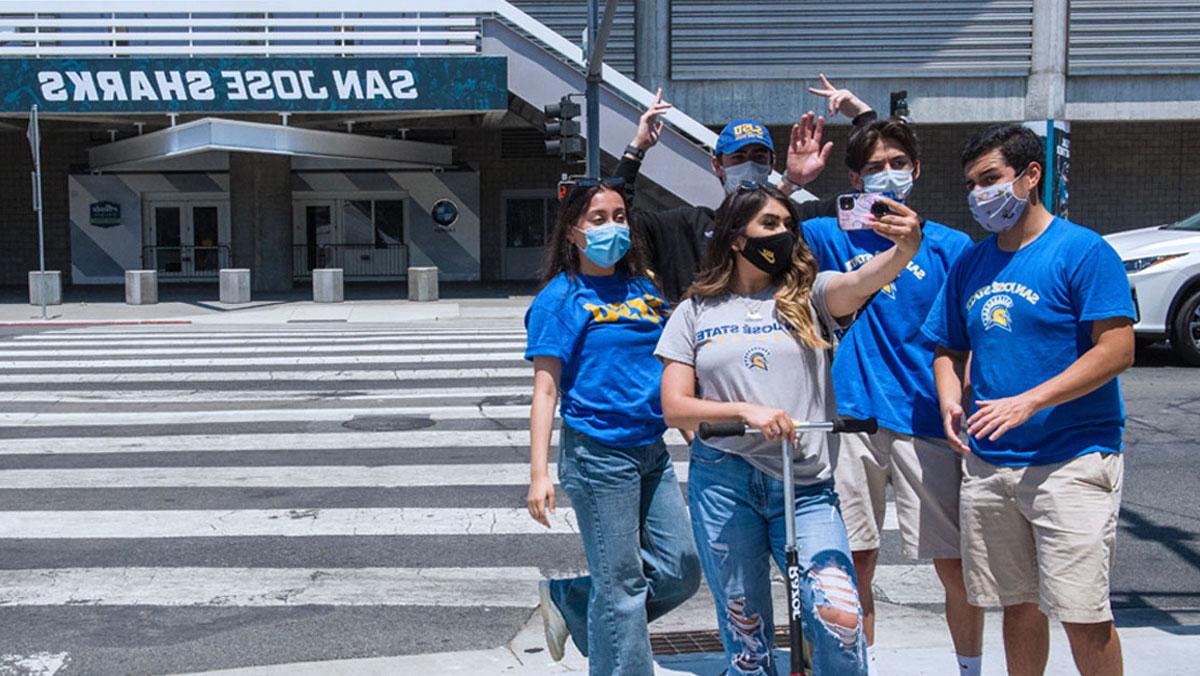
x,y
598,32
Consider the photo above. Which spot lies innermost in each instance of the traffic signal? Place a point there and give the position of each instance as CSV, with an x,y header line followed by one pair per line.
x,y
562,130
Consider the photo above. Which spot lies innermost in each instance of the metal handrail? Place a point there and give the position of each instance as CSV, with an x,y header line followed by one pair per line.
x,y
357,261
180,262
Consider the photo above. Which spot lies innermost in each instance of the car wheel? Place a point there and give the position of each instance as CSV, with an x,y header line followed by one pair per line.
x,y
1185,330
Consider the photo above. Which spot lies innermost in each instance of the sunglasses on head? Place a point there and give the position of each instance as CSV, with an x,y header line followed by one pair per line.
x,y
569,191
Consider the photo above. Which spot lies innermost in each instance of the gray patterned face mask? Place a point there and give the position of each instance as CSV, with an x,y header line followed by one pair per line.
x,y
997,208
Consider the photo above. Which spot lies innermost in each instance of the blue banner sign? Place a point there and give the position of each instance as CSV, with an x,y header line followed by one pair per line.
x,y
235,84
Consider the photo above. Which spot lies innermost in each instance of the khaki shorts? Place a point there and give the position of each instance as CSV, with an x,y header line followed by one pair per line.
x,y
925,475
1042,534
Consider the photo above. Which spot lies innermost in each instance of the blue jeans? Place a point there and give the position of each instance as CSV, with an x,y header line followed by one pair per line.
x,y
738,517
641,557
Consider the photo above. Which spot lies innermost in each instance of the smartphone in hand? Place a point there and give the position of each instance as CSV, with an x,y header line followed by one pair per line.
x,y
856,210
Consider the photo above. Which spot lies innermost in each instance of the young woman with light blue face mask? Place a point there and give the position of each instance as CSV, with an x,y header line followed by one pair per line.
x,y
591,336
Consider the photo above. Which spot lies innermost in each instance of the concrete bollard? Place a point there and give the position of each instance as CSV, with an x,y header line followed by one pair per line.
x,y
423,284
141,287
235,285
45,285
327,285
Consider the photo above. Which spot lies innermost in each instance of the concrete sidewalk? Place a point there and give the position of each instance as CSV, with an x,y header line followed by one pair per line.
x,y
910,642
283,309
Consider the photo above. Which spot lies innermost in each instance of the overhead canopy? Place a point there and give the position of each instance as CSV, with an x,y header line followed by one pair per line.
x,y
209,135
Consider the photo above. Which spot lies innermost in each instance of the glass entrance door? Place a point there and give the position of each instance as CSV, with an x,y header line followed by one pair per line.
x,y
189,239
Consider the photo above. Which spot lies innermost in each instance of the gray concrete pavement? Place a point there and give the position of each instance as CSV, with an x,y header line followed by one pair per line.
x,y
308,422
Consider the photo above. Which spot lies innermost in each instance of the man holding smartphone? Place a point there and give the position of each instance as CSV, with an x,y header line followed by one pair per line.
x,y
1042,312
883,369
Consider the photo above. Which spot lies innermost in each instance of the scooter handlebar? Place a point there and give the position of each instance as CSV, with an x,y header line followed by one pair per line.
x,y
710,430
844,425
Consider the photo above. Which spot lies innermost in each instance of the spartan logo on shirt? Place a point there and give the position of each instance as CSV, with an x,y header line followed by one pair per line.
x,y
996,313
860,260
757,358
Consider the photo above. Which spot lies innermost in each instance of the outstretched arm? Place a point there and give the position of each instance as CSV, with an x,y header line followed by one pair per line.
x,y
847,292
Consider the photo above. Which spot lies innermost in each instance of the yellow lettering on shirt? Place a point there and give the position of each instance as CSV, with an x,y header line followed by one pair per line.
x,y
644,308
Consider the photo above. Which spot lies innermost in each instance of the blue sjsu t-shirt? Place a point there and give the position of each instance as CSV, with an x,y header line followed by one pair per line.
x,y
1026,316
604,330
884,365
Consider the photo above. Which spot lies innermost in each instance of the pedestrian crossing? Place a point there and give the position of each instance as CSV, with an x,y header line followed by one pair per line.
x,y
378,474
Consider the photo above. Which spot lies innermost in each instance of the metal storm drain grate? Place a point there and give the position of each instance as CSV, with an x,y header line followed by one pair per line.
x,y
688,642
387,423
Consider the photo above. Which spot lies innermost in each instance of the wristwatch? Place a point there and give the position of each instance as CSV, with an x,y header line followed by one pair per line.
x,y
788,185
637,152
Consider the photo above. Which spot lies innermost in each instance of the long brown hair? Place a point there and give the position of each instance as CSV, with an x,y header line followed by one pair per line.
x,y
795,283
563,256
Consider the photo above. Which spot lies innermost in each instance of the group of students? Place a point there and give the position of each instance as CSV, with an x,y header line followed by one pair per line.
x,y
766,312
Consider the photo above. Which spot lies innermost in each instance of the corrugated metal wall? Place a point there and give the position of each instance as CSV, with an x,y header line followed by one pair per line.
x,y
1134,37
569,19
947,38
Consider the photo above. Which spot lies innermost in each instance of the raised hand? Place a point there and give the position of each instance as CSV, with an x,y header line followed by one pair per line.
x,y
840,100
806,156
650,126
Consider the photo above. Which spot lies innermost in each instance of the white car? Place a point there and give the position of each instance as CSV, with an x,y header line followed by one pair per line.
x,y
1163,264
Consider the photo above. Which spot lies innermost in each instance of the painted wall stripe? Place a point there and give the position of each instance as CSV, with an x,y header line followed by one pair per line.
x,y
271,587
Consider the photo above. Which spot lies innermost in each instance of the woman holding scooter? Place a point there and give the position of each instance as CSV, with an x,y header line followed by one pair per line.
x,y
755,335
591,336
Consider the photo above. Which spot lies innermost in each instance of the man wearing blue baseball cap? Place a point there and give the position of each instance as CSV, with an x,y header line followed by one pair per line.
x,y
675,238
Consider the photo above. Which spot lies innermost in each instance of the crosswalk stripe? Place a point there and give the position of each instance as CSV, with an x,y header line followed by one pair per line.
x,y
263,361
98,419
308,441
348,342
299,522
269,335
193,349
305,476
271,587
103,398
415,376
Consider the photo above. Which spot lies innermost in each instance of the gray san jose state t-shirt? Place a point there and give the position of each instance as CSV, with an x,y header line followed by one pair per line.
x,y
741,352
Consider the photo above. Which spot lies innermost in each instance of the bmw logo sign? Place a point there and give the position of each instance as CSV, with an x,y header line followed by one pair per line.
x,y
444,213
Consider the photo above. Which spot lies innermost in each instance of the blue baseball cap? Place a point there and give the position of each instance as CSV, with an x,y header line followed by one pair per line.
x,y
741,133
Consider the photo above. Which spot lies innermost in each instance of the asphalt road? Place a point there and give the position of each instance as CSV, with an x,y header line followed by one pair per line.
x,y
1156,580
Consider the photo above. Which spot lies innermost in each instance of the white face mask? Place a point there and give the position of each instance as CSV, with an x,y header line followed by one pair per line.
x,y
996,207
899,182
748,171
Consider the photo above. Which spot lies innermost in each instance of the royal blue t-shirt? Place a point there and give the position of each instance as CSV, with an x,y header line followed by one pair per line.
x,y
884,365
604,329
1026,316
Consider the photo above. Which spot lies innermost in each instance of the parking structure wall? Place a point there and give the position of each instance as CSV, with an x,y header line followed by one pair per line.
x,y
1123,175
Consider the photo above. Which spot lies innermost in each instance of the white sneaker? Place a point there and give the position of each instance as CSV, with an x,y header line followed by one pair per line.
x,y
553,622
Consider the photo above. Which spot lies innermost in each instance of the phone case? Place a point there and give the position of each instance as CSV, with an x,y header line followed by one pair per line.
x,y
854,210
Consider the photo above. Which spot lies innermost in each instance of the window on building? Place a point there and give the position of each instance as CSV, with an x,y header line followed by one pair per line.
x,y
377,223
528,221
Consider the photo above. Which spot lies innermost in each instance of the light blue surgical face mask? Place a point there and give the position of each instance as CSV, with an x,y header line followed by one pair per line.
x,y
607,244
746,172
996,207
898,182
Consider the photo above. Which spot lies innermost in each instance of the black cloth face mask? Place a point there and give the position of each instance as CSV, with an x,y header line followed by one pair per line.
x,y
771,254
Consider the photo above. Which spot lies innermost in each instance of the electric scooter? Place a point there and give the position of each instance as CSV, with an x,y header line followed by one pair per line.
x,y
839,426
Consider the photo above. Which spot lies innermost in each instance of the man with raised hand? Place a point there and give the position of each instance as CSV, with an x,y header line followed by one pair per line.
x,y
1043,310
744,152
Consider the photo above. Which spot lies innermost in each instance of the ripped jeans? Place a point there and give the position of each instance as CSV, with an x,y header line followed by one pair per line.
x,y
738,522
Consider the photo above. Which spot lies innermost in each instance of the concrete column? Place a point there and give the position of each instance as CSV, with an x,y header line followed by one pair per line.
x,y
47,285
1046,93
260,205
141,287
653,47
423,284
327,285
235,286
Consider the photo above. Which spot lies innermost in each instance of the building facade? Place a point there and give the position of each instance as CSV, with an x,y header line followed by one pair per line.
x,y
370,136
